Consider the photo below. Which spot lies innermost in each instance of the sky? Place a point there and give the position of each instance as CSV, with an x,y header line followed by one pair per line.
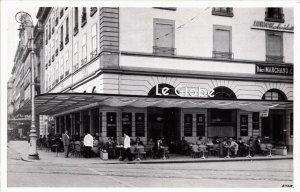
x,y
12,30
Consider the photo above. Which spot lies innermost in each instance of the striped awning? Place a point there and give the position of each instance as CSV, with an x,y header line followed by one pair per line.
x,y
57,103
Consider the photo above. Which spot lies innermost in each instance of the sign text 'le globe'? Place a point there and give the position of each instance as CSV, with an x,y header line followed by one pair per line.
x,y
185,92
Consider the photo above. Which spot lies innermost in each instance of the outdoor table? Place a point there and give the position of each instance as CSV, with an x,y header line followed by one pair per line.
x,y
228,148
210,146
164,152
202,148
269,146
120,147
137,147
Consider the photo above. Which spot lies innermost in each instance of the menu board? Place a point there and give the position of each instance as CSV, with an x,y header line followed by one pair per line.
x,y
111,124
255,120
127,123
188,125
244,125
140,124
200,124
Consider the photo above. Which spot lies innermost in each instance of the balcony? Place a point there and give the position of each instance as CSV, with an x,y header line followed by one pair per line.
x,y
53,58
164,50
83,61
75,30
222,55
61,45
274,15
56,52
274,58
93,11
56,21
61,13
93,54
222,11
67,39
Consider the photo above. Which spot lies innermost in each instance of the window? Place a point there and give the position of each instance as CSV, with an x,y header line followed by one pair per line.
x,y
61,69
164,37
52,76
56,45
221,117
56,72
274,46
84,59
67,63
274,94
49,28
61,37
49,53
76,56
53,50
93,10
274,15
83,17
291,125
67,31
222,11
46,35
61,12
76,21
94,41
222,42
223,93
46,82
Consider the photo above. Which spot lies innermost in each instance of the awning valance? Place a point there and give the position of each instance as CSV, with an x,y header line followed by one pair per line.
x,y
56,103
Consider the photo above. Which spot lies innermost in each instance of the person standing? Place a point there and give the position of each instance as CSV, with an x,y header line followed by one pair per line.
x,y
127,148
88,143
66,142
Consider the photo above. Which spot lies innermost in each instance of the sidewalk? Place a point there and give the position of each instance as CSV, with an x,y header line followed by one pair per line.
x,y
19,150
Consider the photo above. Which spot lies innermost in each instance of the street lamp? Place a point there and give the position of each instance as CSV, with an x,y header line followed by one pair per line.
x,y
25,20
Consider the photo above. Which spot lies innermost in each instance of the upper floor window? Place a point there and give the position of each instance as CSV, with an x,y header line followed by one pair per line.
x,y
164,36
67,67
84,50
274,46
67,31
94,41
222,42
222,11
83,17
61,68
274,14
93,10
61,37
50,28
76,57
76,21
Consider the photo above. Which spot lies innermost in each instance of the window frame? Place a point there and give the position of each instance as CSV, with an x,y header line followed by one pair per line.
x,y
220,54
272,19
216,11
276,58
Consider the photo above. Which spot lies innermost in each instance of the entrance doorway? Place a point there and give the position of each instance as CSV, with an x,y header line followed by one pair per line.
x,y
273,126
164,123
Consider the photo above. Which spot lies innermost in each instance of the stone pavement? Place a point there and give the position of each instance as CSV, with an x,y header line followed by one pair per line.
x,y
19,150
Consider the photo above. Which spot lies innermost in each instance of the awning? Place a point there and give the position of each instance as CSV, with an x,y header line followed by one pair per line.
x,y
57,103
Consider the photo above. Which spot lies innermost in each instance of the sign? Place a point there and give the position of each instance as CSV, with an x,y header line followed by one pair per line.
x,y
244,125
184,91
111,120
127,123
264,113
255,120
264,25
140,124
188,125
200,124
274,70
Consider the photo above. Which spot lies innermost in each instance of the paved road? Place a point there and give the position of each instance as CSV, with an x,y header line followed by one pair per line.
x,y
214,174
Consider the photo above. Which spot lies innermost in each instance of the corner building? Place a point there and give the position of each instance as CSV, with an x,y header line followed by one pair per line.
x,y
104,67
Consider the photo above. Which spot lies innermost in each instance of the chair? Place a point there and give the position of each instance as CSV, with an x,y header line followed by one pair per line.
x,y
141,151
263,148
195,151
133,152
148,150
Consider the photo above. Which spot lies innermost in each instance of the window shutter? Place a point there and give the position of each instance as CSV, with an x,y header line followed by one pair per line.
x,y
274,45
222,40
164,35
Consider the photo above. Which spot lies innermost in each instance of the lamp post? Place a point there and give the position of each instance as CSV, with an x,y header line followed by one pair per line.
x,y
25,20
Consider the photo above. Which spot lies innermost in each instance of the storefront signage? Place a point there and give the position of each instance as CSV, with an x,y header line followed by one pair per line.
x,y
255,120
185,92
140,124
200,124
126,123
244,125
264,113
272,26
111,124
188,125
274,70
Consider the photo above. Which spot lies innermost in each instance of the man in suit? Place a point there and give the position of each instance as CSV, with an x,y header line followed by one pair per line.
x,y
66,142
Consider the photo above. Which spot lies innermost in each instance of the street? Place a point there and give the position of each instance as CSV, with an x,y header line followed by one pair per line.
x,y
81,172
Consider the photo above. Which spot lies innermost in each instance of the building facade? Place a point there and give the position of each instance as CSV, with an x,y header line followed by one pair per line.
x,y
243,55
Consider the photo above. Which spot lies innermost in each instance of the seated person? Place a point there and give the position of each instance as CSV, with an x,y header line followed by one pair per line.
x,y
243,149
138,141
110,146
256,144
150,142
216,140
201,141
184,146
250,145
132,142
233,147
95,148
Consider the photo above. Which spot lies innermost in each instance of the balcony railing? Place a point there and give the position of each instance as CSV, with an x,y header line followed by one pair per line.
x,y
274,58
271,18
61,45
164,50
67,39
222,55
83,61
93,11
75,30
93,54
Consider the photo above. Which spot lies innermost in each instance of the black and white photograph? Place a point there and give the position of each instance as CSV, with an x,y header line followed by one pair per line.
x,y
146,96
